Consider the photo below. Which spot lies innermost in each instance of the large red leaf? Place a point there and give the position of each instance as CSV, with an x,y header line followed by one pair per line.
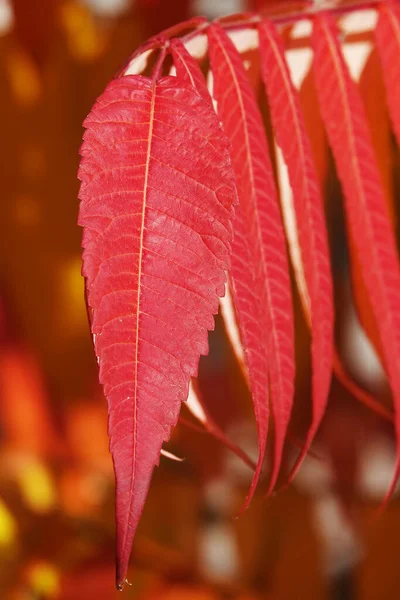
x,y
290,132
366,210
156,204
259,227
387,35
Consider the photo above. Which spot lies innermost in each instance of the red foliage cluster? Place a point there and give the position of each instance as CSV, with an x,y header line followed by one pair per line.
x,y
157,197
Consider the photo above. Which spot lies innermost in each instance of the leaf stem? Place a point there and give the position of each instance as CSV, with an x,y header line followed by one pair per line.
x,y
308,11
214,430
158,66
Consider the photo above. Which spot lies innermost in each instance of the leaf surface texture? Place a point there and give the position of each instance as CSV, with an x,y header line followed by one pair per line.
x,y
291,136
260,272
157,199
365,205
246,310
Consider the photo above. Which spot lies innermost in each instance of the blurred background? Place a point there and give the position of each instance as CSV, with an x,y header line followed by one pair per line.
x,y
318,539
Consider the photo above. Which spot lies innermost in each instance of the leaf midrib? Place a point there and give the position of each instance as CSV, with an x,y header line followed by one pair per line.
x,y
141,245
276,342
358,178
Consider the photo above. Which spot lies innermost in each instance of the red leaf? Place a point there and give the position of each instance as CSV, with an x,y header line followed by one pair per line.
x,y
254,333
242,284
156,204
314,127
366,209
187,69
379,127
265,273
313,122
387,34
290,132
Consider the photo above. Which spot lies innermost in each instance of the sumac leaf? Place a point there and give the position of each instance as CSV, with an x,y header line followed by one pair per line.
x,y
291,136
157,199
379,126
245,316
260,272
314,127
188,70
366,209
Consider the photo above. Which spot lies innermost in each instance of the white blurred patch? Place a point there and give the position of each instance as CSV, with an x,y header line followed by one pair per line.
x,y
244,39
245,436
108,8
377,462
314,477
290,224
229,317
213,9
197,46
138,64
359,353
210,87
340,547
359,21
218,553
220,496
356,56
302,29
299,63
6,17
194,405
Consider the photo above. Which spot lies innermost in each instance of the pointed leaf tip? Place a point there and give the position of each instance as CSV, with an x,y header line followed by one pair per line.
x,y
157,199
260,271
290,131
365,206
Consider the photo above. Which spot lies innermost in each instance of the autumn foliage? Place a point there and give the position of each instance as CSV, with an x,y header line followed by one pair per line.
x,y
201,187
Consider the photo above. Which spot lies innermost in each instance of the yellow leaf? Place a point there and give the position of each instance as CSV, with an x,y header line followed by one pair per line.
x,y
8,528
